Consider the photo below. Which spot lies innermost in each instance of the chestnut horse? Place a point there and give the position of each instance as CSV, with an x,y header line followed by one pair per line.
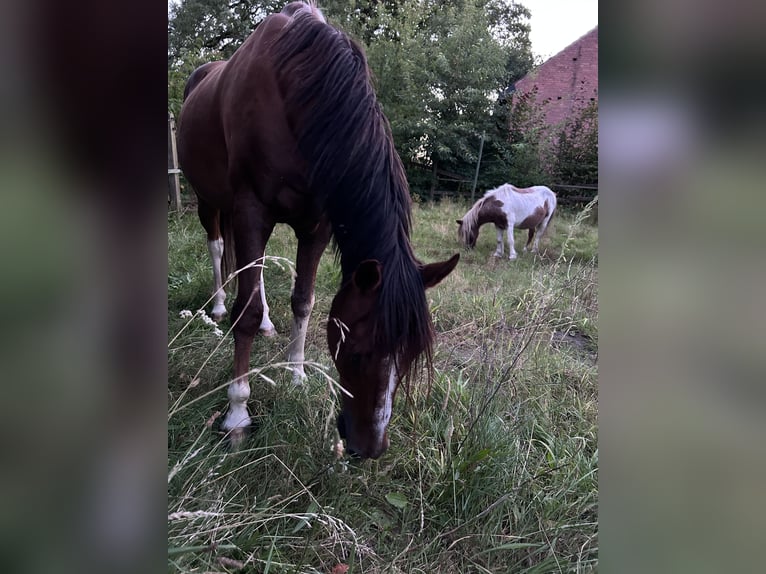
x,y
509,207
289,130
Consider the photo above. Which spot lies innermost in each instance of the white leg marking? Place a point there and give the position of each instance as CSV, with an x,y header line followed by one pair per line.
x,y
237,416
267,327
296,350
215,248
511,250
499,248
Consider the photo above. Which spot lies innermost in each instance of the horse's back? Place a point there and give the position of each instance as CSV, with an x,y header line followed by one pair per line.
x,y
232,119
535,191
520,204
200,139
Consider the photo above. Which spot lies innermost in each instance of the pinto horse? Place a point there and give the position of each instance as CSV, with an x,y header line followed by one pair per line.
x,y
289,130
509,207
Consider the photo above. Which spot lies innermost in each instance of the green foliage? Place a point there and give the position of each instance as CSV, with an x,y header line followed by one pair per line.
x,y
565,154
574,152
212,29
493,467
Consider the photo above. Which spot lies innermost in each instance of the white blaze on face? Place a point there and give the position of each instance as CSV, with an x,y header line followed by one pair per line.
x,y
384,404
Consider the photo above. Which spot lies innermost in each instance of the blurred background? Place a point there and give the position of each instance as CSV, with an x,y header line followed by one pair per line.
x,y
682,391
83,103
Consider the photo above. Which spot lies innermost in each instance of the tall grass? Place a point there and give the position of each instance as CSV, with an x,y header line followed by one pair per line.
x,y
492,468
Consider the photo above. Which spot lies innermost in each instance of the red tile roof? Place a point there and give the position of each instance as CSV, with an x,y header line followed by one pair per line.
x,y
568,80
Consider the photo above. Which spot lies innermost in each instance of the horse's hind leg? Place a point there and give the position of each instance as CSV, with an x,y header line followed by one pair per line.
x,y
310,248
541,229
267,327
529,240
211,221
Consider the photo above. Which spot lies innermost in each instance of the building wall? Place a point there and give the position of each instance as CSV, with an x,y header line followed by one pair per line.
x,y
567,81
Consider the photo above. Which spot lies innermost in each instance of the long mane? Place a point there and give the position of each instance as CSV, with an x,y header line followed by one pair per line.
x,y
355,173
471,219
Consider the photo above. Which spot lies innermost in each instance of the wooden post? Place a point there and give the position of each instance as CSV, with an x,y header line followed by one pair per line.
x,y
434,180
478,163
174,181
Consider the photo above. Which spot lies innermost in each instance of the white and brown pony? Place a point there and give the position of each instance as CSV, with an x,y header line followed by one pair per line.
x,y
509,207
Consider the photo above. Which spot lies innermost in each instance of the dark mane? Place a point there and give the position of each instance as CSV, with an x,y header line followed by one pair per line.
x,y
355,173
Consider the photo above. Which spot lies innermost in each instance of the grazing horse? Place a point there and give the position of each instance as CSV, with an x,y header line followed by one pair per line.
x,y
509,207
289,130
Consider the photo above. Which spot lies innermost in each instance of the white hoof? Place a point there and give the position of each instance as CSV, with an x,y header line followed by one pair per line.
x,y
236,438
512,256
218,313
299,375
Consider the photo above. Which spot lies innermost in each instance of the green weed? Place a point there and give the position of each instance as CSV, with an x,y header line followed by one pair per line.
x,y
493,466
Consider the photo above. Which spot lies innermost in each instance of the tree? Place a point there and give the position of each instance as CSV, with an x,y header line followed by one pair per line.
x,y
441,69
208,29
574,153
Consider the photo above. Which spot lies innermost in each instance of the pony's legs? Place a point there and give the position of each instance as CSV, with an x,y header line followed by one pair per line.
x,y
499,249
529,240
250,236
511,251
210,219
310,248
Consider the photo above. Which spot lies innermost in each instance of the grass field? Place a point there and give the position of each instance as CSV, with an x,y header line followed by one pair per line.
x,y
492,468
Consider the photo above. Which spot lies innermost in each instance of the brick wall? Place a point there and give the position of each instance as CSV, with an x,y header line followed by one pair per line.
x,y
568,80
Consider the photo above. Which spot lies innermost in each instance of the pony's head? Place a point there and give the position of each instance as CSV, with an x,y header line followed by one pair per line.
x,y
368,371
467,234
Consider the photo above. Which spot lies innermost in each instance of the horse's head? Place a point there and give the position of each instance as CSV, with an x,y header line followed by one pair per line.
x,y
367,372
467,234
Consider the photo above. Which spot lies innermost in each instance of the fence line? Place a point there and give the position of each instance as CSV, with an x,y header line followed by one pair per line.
x,y
567,194
174,180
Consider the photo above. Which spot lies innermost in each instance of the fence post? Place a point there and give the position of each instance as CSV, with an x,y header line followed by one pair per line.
x,y
174,181
478,163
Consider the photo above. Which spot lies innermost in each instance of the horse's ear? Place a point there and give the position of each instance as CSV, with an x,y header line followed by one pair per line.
x,y
368,275
433,273
459,221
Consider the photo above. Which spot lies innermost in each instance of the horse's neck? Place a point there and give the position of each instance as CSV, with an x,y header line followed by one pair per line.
x,y
491,211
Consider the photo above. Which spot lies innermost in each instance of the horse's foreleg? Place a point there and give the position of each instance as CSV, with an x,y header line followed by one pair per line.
x,y
511,251
250,236
244,313
499,249
310,248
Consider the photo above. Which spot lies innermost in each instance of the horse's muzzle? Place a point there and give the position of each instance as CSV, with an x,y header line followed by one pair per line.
x,y
350,450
